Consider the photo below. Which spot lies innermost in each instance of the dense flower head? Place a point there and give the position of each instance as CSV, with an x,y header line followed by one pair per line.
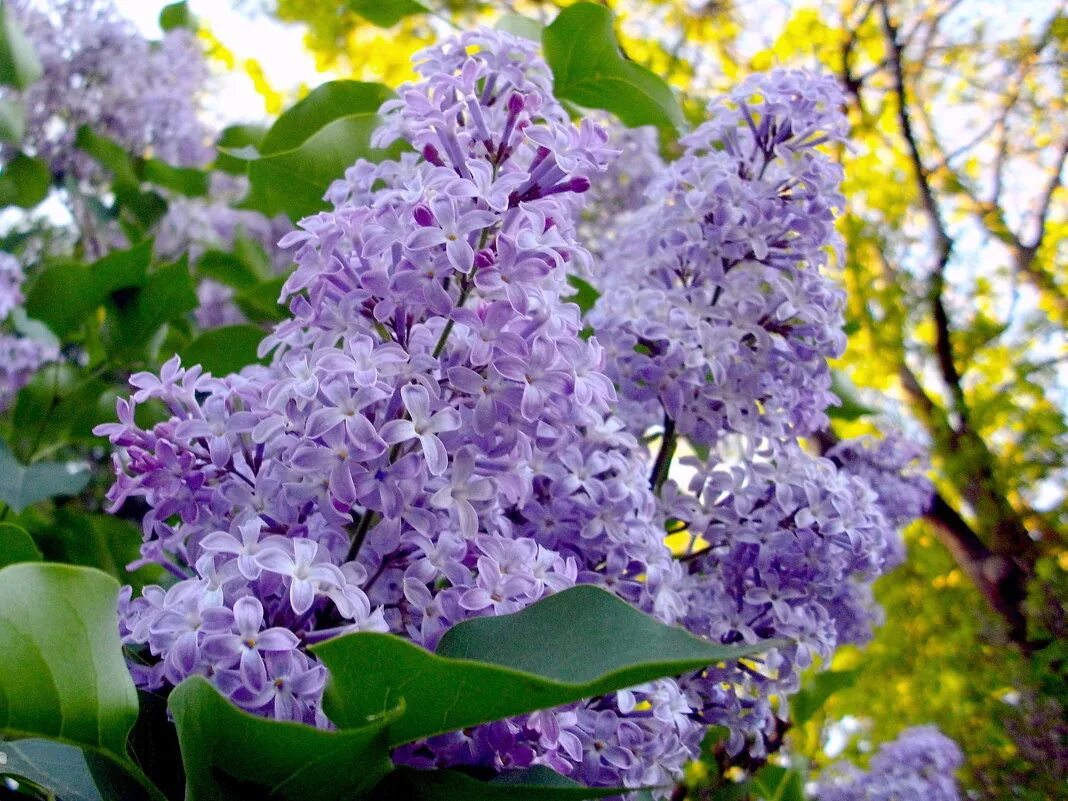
x,y
20,356
431,442
713,301
782,545
435,438
894,466
99,71
917,766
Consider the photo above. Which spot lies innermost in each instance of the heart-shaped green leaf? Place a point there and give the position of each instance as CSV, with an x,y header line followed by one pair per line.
x,y
386,13
224,350
19,65
24,485
293,182
533,784
229,754
24,182
16,546
62,674
577,644
323,105
12,121
589,70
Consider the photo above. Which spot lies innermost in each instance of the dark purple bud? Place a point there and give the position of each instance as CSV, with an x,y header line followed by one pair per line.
x,y
516,103
430,153
423,216
483,259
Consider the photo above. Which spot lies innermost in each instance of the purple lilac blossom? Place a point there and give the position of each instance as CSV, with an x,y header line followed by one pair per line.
x,y
894,466
20,356
917,766
719,322
432,441
713,304
99,71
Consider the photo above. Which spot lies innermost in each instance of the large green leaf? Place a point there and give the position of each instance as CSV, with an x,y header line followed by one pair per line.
x,y
230,754
224,350
19,65
12,121
167,295
177,15
534,784
293,182
103,541
24,182
238,138
62,674
386,13
322,106
24,485
71,774
851,406
777,783
16,546
589,70
579,643
815,692
261,302
66,293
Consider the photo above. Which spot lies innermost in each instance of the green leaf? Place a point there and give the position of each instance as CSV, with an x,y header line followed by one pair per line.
x,y
186,181
237,137
167,295
815,692
851,407
177,15
533,784
24,485
68,292
16,546
577,644
589,70
230,754
260,303
102,541
24,182
776,783
518,25
326,103
19,65
585,294
72,774
12,121
293,182
224,350
62,674
386,13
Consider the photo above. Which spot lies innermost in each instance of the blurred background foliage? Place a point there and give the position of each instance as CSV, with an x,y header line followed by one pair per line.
x,y
956,234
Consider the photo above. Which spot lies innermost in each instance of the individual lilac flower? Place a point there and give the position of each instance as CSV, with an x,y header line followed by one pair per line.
x,y
423,426
461,490
308,572
249,642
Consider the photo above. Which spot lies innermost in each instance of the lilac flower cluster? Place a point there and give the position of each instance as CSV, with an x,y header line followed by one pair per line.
x,y
432,441
894,466
20,356
435,440
713,301
917,766
719,324
99,71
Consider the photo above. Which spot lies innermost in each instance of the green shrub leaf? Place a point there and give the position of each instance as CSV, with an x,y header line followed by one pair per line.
x,y
24,485
533,784
16,546
224,350
386,13
579,643
589,70
19,65
229,754
331,101
24,182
